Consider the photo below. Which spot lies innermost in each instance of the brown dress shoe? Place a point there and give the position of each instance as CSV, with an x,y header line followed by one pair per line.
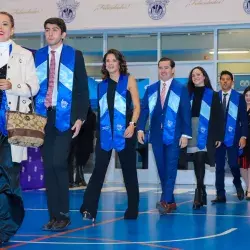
x,y
61,225
49,225
165,208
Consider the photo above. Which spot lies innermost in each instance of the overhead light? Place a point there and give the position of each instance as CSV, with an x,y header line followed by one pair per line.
x,y
231,52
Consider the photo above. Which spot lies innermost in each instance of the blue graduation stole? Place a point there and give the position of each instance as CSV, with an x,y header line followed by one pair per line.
x,y
65,85
116,140
171,110
4,107
231,117
204,117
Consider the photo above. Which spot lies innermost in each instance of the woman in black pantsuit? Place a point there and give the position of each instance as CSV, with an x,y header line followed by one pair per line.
x,y
118,112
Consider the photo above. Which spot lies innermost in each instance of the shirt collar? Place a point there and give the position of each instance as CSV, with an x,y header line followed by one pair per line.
x,y
5,44
168,82
228,92
57,50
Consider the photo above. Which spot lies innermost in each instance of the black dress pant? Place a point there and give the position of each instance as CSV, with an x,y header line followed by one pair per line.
x,y
55,153
128,164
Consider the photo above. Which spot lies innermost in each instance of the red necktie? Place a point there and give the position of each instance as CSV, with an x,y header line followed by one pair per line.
x,y
52,70
163,94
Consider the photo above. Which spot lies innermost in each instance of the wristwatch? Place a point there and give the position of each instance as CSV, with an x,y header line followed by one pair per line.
x,y
134,123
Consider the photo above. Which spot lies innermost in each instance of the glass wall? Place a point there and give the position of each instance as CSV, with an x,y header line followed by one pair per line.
x,y
188,46
135,47
234,44
91,46
30,42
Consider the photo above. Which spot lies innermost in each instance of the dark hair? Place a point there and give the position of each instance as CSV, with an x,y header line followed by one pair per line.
x,y
120,57
191,85
246,90
10,17
57,21
226,72
166,59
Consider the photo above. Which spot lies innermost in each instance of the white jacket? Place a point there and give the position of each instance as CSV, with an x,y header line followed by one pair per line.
x,y
20,70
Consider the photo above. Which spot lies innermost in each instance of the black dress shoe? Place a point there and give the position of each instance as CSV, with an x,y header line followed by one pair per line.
x,y
87,216
130,215
240,193
219,199
49,225
61,225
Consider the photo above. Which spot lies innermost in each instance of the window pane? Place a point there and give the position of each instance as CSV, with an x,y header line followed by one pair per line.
x,y
94,71
135,48
91,46
188,46
240,71
30,42
234,44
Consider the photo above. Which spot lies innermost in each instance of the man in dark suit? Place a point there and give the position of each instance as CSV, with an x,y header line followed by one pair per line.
x,y
236,130
64,99
167,103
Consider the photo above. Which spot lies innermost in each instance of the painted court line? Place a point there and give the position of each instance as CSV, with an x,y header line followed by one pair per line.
x,y
134,242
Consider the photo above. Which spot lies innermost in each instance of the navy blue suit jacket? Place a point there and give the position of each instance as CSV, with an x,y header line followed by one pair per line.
x,y
183,119
242,121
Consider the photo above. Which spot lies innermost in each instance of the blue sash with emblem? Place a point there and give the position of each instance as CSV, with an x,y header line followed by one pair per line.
x,y
65,85
116,140
204,117
4,107
231,117
171,112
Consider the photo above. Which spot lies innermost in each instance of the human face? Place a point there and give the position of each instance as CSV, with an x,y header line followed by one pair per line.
x,y
6,29
198,78
247,97
165,71
112,64
54,35
226,83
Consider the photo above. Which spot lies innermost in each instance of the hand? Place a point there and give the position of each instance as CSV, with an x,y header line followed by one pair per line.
x,y
129,131
77,126
242,142
5,84
140,137
217,144
183,142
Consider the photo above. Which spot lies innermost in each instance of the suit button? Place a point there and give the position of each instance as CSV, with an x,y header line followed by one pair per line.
x,y
8,67
24,101
9,102
19,86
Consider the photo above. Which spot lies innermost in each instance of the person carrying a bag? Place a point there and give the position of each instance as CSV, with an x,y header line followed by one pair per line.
x,y
17,69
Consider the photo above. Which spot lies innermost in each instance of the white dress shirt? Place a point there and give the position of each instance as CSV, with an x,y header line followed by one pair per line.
x,y
57,57
4,53
227,96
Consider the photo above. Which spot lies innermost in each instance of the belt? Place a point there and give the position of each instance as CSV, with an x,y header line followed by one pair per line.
x,y
50,108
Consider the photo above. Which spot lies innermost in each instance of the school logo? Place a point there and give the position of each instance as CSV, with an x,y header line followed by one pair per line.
x,y
203,130
246,6
169,123
67,9
157,8
230,129
64,104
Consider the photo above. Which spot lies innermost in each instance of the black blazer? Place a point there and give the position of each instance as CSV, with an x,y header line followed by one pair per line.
x,y
80,91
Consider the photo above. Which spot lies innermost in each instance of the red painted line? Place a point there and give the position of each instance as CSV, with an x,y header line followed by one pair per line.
x,y
84,228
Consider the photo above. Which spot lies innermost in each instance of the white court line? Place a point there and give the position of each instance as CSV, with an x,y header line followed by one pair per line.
x,y
129,243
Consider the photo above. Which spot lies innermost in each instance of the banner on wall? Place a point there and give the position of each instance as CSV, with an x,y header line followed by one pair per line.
x,y
112,14
241,81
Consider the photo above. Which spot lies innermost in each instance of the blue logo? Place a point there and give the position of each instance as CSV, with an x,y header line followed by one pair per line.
x,y
67,10
157,8
246,6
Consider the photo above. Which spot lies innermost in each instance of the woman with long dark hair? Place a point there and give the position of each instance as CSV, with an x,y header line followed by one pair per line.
x,y
245,158
207,128
118,112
